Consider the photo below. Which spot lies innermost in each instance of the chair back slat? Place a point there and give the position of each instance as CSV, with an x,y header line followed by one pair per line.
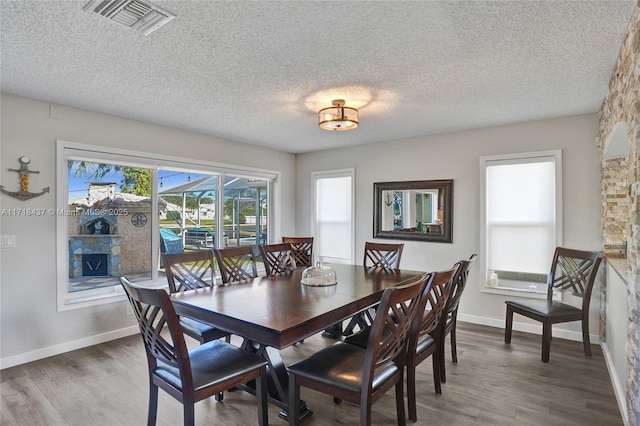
x,y
390,329
154,312
301,250
433,305
277,258
575,271
236,264
459,283
189,271
382,255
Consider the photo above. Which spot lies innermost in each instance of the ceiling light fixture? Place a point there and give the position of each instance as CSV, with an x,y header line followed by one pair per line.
x,y
338,117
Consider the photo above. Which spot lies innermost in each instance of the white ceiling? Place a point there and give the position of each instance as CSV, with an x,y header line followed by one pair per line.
x,y
257,72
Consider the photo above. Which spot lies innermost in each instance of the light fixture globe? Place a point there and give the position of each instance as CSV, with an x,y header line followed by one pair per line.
x,y
338,117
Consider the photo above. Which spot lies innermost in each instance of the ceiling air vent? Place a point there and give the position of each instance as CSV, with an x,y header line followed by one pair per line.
x,y
142,17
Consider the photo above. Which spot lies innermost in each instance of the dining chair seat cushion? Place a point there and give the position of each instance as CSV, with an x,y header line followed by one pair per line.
x,y
341,366
425,343
544,308
207,332
360,339
212,362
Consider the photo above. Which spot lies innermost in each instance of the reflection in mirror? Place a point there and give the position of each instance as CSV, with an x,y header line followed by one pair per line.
x,y
414,210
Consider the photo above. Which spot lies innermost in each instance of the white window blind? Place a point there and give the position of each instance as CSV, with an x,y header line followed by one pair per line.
x,y
522,214
334,217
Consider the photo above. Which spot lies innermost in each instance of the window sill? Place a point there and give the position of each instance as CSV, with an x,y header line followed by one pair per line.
x,y
116,294
508,291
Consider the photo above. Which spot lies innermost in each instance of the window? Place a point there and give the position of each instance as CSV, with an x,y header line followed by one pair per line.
x,y
522,219
333,216
108,226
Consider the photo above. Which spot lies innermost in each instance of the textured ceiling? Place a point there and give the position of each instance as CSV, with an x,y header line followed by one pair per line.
x,y
257,72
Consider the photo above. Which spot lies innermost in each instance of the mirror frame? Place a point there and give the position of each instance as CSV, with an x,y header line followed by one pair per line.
x,y
445,185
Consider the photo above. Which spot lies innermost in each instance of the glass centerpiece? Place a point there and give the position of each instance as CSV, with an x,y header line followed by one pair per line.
x,y
319,276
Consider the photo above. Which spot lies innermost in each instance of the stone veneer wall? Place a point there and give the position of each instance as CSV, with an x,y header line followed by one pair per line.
x,y
621,194
615,207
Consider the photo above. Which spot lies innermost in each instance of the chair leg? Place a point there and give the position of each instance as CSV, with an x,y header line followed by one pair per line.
x,y
365,411
508,325
188,409
153,405
337,401
440,354
454,350
586,341
436,374
261,399
294,401
411,391
399,402
546,340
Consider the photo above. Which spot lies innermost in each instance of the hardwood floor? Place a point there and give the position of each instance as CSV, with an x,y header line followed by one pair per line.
x,y
492,384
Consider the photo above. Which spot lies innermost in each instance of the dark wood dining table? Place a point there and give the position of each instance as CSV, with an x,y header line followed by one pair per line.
x,y
273,312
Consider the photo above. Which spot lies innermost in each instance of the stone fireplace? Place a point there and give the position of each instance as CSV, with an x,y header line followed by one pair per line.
x,y
95,245
112,230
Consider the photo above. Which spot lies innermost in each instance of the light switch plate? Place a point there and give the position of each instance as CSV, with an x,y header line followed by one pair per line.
x,y
7,241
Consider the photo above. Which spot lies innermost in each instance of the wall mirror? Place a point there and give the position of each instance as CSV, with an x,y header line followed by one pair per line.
x,y
419,210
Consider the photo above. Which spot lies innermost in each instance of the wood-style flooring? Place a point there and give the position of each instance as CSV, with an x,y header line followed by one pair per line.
x,y
492,384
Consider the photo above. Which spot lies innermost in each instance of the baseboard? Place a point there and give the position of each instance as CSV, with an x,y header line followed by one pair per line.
x,y
527,328
117,334
618,389
25,357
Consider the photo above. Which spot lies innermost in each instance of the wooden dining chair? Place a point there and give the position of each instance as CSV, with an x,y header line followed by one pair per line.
x,y
277,258
236,263
362,376
189,271
376,255
192,375
302,250
451,314
382,255
573,270
425,339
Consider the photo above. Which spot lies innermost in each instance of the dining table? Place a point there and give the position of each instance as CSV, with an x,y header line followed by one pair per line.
x,y
273,312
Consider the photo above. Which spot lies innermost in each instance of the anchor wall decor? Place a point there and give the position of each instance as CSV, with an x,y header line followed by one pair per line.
x,y
24,172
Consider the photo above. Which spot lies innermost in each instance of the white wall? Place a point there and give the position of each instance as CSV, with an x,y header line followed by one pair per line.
x,y
616,336
456,156
30,327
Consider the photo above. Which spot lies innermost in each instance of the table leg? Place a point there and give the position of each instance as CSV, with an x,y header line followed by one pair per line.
x,y
333,332
277,380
